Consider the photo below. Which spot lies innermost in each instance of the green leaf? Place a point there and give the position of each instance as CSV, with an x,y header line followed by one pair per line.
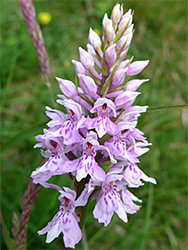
x,y
8,240
22,135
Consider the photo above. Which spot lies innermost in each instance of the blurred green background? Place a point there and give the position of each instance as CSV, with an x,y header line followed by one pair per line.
x,y
160,36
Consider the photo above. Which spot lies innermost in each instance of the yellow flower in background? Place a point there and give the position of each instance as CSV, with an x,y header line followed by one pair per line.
x,y
44,17
97,31
66,63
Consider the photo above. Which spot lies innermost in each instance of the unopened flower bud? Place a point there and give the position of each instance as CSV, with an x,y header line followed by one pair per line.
x,y
117,13
129,30
136,67
126,99
119,76
92,52
94,39
123,53
124,42
88,85
104,22
79,67
110,55
123,64
126,20
86,59
67,87
114,94
108,30
134,84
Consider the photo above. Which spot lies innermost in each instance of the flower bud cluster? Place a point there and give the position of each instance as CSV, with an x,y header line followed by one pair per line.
x,y
96,142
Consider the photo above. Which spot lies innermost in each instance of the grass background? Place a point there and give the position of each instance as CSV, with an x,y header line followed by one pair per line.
x,y
160,36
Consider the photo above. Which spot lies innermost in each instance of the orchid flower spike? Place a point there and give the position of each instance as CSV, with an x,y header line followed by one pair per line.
x,y
95,140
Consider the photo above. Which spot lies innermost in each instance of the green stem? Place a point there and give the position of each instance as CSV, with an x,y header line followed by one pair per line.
x,y
84,239
86,99
49,85
72,183
82,217
153,108
148,220
106,137
109,167
104,66
106,85
118,88
120,116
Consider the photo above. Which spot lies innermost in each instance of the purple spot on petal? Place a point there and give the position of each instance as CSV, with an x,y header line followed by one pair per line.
x,y
65,222
66,229
135,170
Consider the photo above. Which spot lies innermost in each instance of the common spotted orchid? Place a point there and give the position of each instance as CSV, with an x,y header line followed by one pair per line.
x,y
96,142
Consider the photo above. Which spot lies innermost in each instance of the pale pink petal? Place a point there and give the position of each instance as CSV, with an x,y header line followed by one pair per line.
x,y
104,125
67,87
50,168
136,67
110,55
94,39
114,94
100,102
117,13
53,233
129,205
133,176
51,225
72,233
86,59
126,99
92,52
83,198
126,20
56,115
75,107
88,86
87,165
69,132
79,68
121,213
108,29
102,211
134,84
96,172
81,173
119,76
